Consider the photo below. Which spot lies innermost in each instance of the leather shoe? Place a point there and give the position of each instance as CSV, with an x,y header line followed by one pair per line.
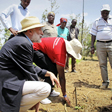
x,y
74,71
104,85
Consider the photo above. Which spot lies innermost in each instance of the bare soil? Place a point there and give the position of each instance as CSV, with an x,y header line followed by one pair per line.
x,y
83,91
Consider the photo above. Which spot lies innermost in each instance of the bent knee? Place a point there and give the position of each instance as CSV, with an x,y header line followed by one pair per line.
x,y
45,90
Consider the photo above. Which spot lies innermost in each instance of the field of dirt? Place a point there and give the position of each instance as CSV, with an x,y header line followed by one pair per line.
x,y
83,91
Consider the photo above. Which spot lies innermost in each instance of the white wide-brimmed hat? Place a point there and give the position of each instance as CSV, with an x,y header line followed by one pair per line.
x,y
74,47
105,7
30,23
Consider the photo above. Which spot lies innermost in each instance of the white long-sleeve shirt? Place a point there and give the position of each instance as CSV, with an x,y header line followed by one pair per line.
x,y
16,13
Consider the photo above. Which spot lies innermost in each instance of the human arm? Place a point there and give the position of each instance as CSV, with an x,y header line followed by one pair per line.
x,y
4,19
62,80
14,32
93,38
53,78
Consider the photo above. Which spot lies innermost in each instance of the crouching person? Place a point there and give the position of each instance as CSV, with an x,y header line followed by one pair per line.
x,y
20,89
51,54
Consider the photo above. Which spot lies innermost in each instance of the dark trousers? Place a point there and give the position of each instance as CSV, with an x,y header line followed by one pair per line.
x,y
44,62
73,61
11,36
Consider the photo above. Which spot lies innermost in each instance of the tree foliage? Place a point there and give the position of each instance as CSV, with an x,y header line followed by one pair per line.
x,y
53,8
1,36
6,34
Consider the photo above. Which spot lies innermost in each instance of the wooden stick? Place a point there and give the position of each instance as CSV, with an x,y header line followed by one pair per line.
x,y
76,95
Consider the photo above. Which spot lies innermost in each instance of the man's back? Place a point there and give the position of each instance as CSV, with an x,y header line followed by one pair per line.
x,y
54,48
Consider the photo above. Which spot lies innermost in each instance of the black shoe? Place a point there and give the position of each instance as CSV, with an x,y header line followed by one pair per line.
x,y
74,71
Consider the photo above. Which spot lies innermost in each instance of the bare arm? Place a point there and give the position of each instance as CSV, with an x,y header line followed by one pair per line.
x,y
53,78
14,32
62,79
63,83
93,38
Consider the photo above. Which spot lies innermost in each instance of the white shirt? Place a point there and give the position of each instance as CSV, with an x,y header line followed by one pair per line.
x,y
102,29
16,13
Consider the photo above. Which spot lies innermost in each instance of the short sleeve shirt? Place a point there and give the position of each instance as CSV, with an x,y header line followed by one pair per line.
x,y
54,48
102,29
62,32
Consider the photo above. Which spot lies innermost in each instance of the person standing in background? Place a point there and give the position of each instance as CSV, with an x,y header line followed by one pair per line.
x,y
73,33
49,30
61,28
102,32
16,13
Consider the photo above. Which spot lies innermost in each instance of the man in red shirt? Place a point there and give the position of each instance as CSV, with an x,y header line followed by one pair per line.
x,y
51,54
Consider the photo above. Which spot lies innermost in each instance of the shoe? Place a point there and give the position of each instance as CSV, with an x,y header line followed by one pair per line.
x,y
54,93
74,71
104,85
66,71
45,101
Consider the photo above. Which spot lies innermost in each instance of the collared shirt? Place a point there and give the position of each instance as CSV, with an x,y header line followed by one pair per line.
x,y
62,32
29,39
49,30
17,13
102,29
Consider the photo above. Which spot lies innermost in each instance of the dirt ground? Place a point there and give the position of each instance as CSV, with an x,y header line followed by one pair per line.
x,y
83,91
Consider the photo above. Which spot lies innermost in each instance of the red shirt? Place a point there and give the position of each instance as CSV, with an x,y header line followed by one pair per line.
x,y
54,48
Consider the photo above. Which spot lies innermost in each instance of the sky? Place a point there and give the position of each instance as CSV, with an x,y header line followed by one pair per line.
x,y
66,8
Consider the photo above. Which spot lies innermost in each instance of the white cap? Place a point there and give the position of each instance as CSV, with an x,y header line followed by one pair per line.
x,y
105,7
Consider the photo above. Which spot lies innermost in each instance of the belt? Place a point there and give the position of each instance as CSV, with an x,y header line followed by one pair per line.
x,y
104,41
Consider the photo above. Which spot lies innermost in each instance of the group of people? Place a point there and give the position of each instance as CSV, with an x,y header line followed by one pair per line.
x,y
49,47
21,87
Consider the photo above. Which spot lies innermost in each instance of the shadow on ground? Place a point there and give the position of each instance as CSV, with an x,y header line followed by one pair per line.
x,y
105,108
81,83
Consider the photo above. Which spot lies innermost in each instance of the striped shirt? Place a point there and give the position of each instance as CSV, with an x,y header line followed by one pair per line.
x,y
102,29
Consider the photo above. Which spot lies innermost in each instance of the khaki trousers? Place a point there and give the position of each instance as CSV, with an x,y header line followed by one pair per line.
x,y
33,92
104,50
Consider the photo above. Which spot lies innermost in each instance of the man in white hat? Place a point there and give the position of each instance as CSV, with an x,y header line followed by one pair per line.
x,y
51,54
20,89
102,32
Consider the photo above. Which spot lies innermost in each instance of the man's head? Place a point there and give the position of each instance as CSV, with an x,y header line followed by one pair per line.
x,y
73,48
51,17
74,22
25,3
31,27
105,11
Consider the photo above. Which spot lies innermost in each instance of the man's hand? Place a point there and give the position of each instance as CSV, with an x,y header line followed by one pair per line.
x,y
14,32
92,50
53,78
67,100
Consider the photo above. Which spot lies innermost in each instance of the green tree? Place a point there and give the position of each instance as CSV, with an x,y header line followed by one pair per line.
x,y
53,8
1,36
6,34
